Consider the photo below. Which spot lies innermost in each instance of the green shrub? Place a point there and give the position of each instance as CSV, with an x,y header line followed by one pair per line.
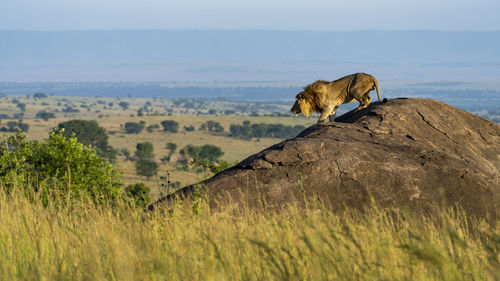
x,y
247,131
170,126
88,132
146,167
171,147
139,193
56,167
205,152
133,127
144,150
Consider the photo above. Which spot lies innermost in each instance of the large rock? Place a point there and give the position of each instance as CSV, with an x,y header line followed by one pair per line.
x,y
405,153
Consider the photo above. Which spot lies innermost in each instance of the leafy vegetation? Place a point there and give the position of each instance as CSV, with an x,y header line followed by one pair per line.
x,y
247,131
212,126
39,95
189,128
55,168
171,147
139,193
144,150
134,127
170,126
88,132
151,128
205,152
45,115
146,167
124,105
14,126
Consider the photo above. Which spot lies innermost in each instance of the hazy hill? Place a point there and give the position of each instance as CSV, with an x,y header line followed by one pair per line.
x,y
245,55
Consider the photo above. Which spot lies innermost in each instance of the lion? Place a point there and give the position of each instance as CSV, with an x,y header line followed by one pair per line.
x,y
325,97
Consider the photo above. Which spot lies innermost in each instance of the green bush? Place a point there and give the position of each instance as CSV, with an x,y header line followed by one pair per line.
x,y
170,126
171,147
124,105
56,167
189,128
133,127
14,126
88,132
211,126
247,131
146,167
205,152
45,115
144,150
139,193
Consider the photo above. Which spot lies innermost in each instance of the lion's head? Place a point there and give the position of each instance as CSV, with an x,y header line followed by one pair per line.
x,y
302,105
308,101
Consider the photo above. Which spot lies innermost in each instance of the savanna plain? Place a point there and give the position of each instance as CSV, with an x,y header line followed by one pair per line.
x,y
77,238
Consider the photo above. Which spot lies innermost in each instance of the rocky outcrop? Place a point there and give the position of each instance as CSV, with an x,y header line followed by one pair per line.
x,y
404,153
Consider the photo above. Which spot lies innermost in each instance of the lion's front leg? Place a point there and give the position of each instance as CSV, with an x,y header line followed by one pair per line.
x,y
332,117
332,114
326,111
322,118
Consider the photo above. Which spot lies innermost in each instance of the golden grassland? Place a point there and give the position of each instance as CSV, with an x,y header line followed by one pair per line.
x,y
81,241
111,118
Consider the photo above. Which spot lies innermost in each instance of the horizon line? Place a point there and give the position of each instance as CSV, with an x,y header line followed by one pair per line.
x,y
250,29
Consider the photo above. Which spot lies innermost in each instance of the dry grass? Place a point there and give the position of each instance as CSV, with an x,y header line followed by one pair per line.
x,y
86,242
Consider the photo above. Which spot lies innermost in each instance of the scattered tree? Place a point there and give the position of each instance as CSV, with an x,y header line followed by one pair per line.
x,y
146,167
14,126
170,126
133,127
88,132
45,115
205,152
171,147
124,105
211,126
39,95
151,128
21,106
189,128
125,152
144,150
247,131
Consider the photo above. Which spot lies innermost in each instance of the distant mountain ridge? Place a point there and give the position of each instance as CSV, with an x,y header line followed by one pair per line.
x,y
149,55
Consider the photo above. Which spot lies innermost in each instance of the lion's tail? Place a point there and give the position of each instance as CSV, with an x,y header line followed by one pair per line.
x,y
378,89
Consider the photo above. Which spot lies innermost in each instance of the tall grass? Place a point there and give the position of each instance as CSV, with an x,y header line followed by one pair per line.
x,y
81,241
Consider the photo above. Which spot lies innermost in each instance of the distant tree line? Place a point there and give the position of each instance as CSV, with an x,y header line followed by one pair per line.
x,y
207,152
14,126
211,126
248,131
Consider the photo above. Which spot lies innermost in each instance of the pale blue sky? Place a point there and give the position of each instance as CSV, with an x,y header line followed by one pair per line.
x,y
255,14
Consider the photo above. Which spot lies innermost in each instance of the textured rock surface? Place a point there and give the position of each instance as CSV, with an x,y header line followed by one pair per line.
x,y
411,153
